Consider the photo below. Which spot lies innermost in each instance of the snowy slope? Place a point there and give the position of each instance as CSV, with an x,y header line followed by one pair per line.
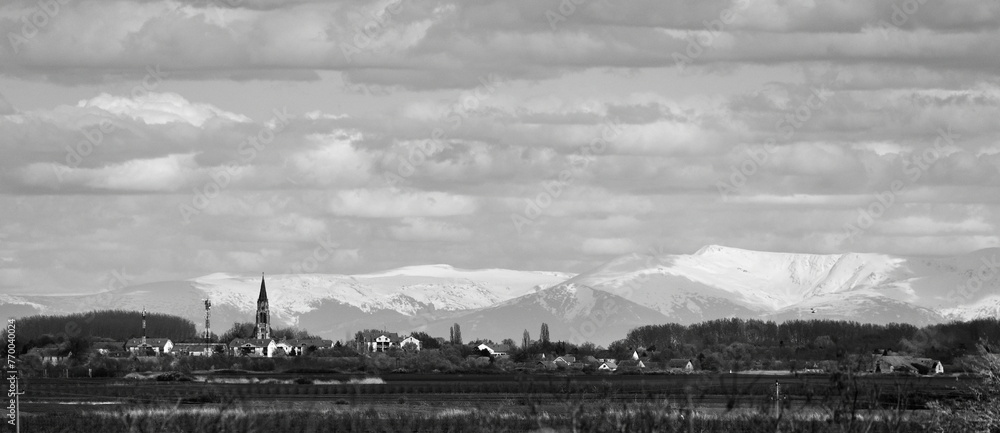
x,y
388,296
720,281
715,282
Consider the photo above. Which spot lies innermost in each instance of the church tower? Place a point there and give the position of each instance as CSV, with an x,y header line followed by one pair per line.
x,y
262,329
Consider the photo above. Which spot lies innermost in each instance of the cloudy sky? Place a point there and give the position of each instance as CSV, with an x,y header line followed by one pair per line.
x,y
172,139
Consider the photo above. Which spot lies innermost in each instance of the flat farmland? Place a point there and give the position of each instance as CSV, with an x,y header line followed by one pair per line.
x,y
873,391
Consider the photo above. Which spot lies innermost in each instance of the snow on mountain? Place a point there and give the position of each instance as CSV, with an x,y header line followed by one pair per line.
x,y
719,281
715,282
388,296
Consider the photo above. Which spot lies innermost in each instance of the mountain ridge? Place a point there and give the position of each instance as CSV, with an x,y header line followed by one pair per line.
x,y
714,282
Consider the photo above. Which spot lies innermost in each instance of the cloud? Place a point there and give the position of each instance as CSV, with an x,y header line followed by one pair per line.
x,y
395,203
427,44
423,230
609,246
160,108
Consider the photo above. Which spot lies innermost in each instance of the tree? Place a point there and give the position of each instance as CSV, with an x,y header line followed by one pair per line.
x,y
508,342
239,330
456,334
426,341
525,340
543,335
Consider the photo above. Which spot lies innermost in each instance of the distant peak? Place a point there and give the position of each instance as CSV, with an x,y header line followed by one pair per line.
x,y
712,249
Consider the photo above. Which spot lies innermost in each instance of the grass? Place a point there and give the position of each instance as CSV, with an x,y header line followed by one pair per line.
x,y
589,417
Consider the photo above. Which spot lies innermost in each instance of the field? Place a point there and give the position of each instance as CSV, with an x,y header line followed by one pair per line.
x,y
408,402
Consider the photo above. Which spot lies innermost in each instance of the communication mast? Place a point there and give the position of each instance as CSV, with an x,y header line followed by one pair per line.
x,y
208,326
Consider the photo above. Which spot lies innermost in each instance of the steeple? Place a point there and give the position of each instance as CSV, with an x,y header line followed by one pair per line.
x,y
263,291
262,327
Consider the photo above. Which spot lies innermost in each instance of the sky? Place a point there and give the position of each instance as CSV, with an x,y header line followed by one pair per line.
x,y
150,140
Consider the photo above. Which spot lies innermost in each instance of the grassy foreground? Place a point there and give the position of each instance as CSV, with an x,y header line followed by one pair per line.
x,y
577,417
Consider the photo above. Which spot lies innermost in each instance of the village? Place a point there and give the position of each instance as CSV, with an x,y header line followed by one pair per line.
x,y
452,354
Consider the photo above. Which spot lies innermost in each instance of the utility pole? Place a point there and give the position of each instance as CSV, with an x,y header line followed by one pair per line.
x,y
777,399
17,400
208,326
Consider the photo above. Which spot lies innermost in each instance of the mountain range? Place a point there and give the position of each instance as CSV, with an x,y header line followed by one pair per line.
x,y
600,305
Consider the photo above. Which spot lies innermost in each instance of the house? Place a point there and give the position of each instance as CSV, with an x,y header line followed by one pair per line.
x,y
548,365
258,347
109,348
377,341
496,350
198,349
565,360
297,346
907,364
680,364
410,340
149,346
608,366
631,365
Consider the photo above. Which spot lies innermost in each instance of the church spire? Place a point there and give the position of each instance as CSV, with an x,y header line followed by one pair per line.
x,y
263,291
262,327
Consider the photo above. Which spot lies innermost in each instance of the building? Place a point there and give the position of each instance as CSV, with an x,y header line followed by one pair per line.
x,y
680,364
631,365
262,326
408,341
257,347
565,360
298,347
198,349
149,346
907,364
608,366
495,350
377,341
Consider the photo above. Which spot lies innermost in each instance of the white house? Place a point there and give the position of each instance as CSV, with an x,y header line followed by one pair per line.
x,y
295,347
149,346
410,340
682,364
198,349
497,350
608,366
377,341
263,347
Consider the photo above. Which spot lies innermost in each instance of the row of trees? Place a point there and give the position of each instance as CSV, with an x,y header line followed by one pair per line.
x,y
73,333
728,340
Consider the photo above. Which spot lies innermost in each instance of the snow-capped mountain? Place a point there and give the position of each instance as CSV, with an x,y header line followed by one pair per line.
x,y
600,305
718,282
332,305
